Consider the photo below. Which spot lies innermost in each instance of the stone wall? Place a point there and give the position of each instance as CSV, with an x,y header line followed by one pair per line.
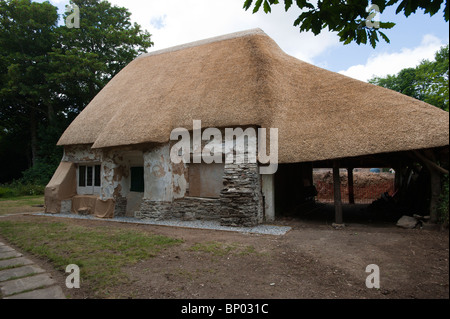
x,y
188,208
120,206
240,202
66,206
166,186
241,197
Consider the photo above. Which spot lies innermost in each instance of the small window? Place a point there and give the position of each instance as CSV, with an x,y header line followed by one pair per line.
x,y
137,179
89,181
82,176
89,176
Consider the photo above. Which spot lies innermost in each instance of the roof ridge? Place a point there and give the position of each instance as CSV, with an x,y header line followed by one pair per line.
x,y
234,35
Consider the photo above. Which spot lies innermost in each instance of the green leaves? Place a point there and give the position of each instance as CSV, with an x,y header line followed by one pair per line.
x,y
287,4
349,18
266,5
49,72
247,4
427,82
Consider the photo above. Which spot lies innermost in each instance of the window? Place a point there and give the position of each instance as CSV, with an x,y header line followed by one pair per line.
x,y
82,176
89,181
137,179
89,175
206,180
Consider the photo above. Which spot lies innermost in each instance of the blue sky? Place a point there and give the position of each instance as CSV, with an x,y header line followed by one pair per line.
x,y
174,22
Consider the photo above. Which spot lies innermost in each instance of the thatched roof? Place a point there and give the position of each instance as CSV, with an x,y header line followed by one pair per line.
x,y
246,79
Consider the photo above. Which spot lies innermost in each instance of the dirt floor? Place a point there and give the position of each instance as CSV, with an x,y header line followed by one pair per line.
x,y
313,260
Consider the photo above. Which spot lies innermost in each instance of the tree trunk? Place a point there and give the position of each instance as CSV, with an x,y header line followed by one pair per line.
x,y
33,132
50,114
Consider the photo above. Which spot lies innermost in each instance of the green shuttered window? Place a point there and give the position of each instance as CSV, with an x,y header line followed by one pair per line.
x,y
137,179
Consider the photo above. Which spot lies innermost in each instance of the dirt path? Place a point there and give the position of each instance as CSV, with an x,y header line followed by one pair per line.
x,y
311,261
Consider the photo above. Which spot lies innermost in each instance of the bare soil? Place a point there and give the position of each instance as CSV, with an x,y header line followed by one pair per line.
x,y
367,186
313,260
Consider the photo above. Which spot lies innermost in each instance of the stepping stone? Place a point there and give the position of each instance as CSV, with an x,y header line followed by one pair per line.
x,y
54,292
8,274
27,283
9,254
2,244
5,248
21,261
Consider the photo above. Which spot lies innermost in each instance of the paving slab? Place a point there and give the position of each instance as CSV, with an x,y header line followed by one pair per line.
x,y
8,274
9,254
5,248
27,283
15,262
54,292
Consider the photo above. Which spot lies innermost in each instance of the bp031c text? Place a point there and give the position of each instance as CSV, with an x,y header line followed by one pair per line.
x,y
247,308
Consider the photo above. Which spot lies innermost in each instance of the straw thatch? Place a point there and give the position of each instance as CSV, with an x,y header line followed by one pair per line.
x,y
246,79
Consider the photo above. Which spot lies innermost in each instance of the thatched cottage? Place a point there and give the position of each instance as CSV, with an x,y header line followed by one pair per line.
x,y
117,151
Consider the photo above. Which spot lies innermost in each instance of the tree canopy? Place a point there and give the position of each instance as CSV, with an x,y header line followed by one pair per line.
x,y
351,19
49,72
427,82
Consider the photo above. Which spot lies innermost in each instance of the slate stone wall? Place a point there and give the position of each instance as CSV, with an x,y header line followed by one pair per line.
x,y
240,202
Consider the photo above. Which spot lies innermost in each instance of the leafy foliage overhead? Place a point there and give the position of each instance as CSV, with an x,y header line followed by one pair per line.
x,y
351,19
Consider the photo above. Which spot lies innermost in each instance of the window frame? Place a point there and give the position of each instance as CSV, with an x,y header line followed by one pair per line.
x,y
92,176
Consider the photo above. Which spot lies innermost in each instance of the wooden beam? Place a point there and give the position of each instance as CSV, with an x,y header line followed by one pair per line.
x,y
337,194
430,164
351,191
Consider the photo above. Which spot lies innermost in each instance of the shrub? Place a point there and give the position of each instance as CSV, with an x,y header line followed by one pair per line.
x,y
17,188
39,174
6,191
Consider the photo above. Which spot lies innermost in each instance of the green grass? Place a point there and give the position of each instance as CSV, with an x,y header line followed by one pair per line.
x,y
21,204
101,253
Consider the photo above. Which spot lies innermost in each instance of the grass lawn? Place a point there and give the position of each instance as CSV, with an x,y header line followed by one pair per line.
x,y
22,204
100,253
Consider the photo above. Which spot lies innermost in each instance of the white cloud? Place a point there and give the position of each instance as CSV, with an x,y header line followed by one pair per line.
x,y
382,64
175,22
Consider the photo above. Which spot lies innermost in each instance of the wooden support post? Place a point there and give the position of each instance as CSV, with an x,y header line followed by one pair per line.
x,y
397,178
351,191
337,194
435,180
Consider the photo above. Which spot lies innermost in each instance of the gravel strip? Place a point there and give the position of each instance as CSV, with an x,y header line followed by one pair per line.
x,y
201,224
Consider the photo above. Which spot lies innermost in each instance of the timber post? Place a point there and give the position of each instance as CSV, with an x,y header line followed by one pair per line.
x,y
351,191
337,194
